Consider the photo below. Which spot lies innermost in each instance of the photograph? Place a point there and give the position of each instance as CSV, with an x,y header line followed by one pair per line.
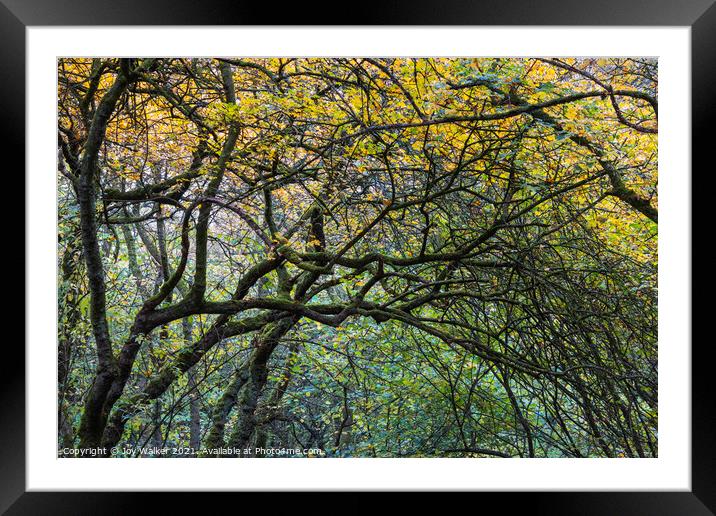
x,y
356,257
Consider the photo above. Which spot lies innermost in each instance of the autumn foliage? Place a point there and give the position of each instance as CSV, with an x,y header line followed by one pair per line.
x,y
370,257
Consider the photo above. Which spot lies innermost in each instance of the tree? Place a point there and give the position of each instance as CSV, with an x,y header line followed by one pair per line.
x,y
376,257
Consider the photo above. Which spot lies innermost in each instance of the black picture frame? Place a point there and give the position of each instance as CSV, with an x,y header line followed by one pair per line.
x,y
17,15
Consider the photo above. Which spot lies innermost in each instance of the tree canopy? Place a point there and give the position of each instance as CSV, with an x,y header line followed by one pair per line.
x,y
370,257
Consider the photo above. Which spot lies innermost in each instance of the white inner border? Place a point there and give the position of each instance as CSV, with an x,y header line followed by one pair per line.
x,y
670,471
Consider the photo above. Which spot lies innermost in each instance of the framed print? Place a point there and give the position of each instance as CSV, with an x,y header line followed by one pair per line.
x,y
388,255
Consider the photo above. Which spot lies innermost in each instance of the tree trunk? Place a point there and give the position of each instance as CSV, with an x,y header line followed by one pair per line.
x,y
264,344
94,417
194,397
223,408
